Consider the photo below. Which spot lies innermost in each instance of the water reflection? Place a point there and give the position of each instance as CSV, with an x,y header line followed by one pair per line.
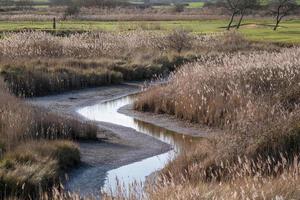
x,y
177,140
138,171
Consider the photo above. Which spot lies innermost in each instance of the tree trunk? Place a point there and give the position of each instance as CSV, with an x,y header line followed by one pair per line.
x,y
276,25
241,19
277,18
231,20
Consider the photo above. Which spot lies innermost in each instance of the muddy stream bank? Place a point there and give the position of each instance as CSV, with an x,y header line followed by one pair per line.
x,y
137,144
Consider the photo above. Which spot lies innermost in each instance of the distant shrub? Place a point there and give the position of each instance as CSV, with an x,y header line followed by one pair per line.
x,y
179,40
178,7
71,10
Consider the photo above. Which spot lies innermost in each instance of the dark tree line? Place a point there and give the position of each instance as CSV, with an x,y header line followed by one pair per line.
x,y
16,3
92,3
95,3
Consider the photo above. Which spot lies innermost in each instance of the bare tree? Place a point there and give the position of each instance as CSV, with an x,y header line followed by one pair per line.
x,y
243,6
239,7
234,7
280,9
179,40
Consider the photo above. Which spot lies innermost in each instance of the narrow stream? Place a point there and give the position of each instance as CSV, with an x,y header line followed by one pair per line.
x,y
138,171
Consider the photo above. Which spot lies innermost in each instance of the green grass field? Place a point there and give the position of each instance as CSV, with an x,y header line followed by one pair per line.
x,y
265,2
195,5
260,30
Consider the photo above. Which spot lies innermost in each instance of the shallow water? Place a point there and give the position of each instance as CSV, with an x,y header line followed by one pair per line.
x,y
137,171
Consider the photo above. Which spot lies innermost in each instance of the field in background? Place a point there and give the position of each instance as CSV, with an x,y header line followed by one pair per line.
x,y
265,2
258,30
195,4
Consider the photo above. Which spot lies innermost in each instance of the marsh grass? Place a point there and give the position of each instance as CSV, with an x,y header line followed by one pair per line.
x,y
36,166
254,98
45,64
21,122
36,147
242,92
43,80
37,63
222,91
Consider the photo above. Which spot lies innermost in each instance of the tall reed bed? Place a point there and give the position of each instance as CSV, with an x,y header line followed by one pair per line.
x,y
21,122
114,44
43,63
41,79
91,44
225,90
254,98
40,63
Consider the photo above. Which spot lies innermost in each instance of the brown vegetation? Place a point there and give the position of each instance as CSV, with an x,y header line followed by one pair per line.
x,y
233,85
34,151
254,98
44,63
119,13
114,14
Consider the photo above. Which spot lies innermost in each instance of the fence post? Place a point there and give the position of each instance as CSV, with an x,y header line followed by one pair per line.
x,y
54,23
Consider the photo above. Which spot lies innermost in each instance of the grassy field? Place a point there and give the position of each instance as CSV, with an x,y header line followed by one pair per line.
x,y
265,2
195,5
260,30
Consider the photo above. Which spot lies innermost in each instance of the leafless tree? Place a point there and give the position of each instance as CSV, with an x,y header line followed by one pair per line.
x,y
280,9
243,6
239,7
234,7
179,40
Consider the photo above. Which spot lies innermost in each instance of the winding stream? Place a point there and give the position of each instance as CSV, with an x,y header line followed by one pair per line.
x,y
138,171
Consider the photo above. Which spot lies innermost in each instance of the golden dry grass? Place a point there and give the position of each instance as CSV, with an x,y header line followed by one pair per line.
x,y
44,63
254,98
36,147
242,92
